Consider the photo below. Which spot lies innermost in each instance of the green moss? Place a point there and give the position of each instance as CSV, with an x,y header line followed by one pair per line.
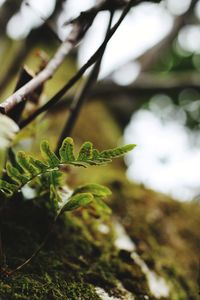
x,y
54,286
57,272
166,234
75,260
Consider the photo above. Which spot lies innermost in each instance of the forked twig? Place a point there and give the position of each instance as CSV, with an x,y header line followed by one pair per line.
x,y
80,26
80,98
80,72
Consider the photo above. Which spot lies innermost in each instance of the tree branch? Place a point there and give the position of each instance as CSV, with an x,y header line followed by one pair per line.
x,y
44,75
80,98
79,26
28,44
150,82
145,86
81,71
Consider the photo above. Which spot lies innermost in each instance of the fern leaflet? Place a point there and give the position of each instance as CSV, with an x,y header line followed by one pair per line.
x,y
27,167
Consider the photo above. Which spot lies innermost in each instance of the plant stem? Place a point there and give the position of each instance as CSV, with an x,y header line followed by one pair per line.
x,y
35,253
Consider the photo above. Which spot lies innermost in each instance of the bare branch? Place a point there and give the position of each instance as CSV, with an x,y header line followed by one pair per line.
x,y
79,26
25,76
27,44
146,86
44,75
80,98
143,88
81,71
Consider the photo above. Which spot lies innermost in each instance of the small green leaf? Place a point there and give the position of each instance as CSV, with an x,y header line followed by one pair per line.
x,y
117,152
79,200
67,150
7,188
100,161
54,196
56,178
48,154
15,175
95,189
23,161
78,164
97,160
85,152
38,165
102,205
95,154
12,158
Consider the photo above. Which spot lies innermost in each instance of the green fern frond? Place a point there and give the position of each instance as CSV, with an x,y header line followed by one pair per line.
x,y
98,192
16,176
76,201
67,150
85,152
31,167
7,188
116,152
48,155
93,188
24,161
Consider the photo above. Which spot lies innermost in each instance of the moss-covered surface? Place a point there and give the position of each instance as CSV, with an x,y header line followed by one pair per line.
x,y
166,234
76,258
